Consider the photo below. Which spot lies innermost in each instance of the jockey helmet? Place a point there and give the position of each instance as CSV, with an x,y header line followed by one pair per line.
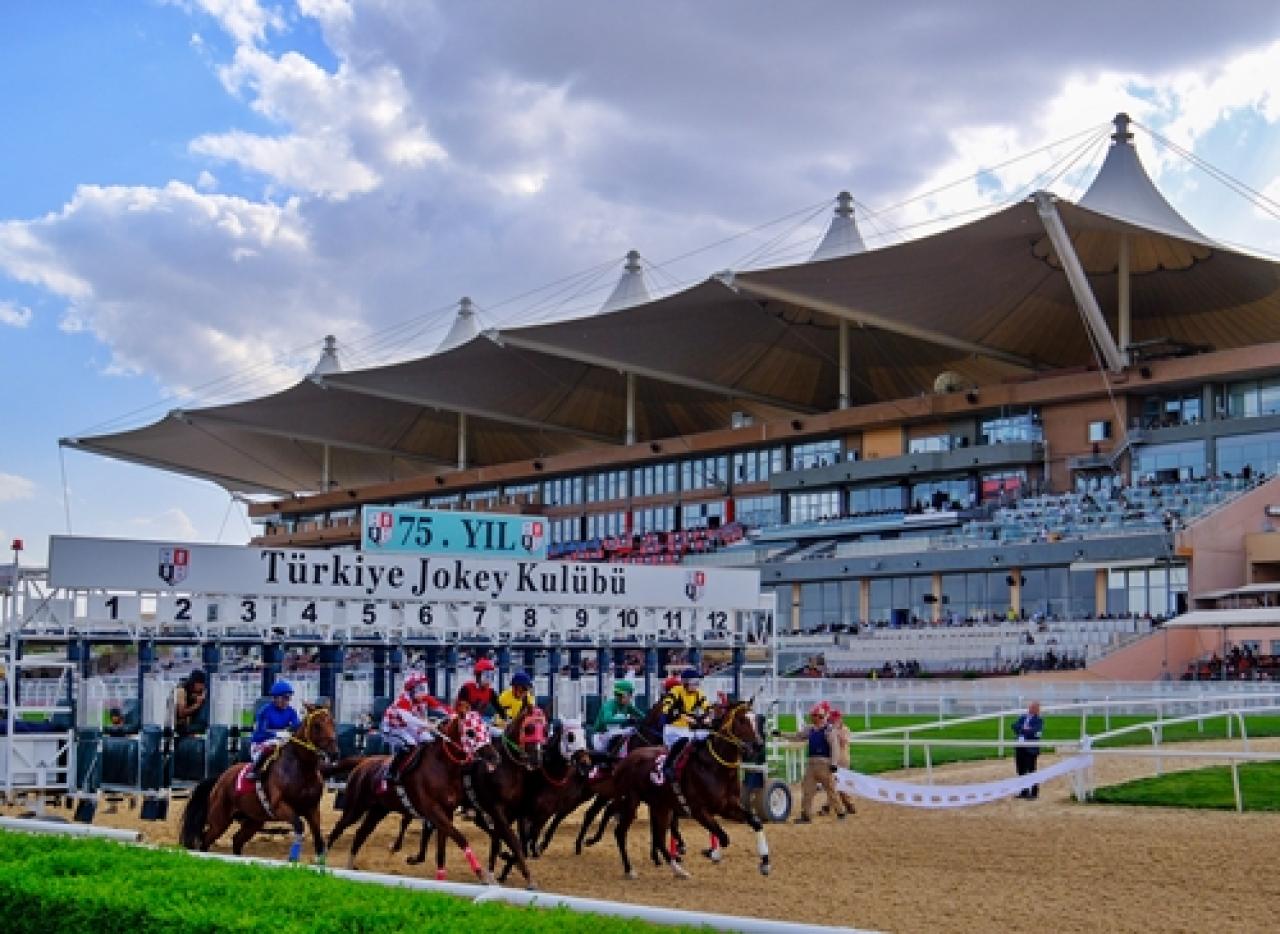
x,y
483,665
521,680
414,680
282,689
690,674
623,686
670,682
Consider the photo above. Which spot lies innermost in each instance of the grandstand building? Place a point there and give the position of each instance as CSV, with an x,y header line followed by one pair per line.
x,y
1024,417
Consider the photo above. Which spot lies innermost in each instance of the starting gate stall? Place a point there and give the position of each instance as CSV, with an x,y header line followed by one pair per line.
x,y
343,626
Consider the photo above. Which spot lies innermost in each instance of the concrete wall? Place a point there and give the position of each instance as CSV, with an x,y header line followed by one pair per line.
x,y
1066,434
1262,552
1214,545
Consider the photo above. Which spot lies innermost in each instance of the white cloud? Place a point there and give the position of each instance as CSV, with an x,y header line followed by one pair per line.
x,y
246,21
15,316
14,488
171,524
206,181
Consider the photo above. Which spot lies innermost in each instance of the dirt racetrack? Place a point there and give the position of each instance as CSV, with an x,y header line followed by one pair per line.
x,y
1034,866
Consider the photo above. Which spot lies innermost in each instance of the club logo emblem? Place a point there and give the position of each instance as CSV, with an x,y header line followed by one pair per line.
x,y
379,529
694,583
174,564
531,536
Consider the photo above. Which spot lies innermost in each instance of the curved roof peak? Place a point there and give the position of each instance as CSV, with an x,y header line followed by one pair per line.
x,y
631,288
464,327
842,237
328,362
1123,190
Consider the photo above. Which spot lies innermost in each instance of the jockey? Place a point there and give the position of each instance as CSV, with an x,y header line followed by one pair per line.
x,y
407,722
478,694
683,708
516,699
274,724
618,716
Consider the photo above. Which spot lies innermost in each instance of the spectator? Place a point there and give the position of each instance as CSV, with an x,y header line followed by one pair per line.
x,y
839,734
1028,728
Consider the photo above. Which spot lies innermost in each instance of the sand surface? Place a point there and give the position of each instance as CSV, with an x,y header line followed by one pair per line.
x,y
1036,866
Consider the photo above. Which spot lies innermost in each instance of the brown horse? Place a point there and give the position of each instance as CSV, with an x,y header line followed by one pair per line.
x,y
498,796
708,787
292,790
430,788
648,734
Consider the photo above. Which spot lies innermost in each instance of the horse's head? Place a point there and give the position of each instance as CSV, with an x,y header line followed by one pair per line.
x,y
319,730
736,722
471,733
573,745
527,733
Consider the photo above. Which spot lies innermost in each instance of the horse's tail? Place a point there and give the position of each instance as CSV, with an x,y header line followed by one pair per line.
x,y
342,765
195,815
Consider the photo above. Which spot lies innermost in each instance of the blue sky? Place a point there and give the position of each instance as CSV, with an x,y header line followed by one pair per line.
x,y
194,192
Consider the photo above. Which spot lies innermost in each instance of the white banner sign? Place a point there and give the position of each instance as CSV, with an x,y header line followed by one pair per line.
x,y
912,795
117,564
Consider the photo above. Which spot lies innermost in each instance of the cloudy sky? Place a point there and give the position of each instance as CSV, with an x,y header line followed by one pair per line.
x,y
194,192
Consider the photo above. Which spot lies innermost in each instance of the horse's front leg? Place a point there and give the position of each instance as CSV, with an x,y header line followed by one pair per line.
x,y
317,835
735,811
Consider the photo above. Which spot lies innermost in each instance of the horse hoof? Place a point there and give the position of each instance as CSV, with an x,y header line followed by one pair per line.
x,y
531,887
413,860
764,869
631,874
487,879
713,855
679,871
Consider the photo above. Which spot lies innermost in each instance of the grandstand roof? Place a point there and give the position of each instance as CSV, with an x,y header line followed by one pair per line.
x,y
988,300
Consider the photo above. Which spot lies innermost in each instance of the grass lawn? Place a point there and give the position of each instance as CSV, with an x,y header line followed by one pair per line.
x,y
873,759
1201,788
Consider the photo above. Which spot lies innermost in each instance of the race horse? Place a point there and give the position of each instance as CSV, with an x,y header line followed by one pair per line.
x,y
290,791
706,787
558,788
430,789
498,796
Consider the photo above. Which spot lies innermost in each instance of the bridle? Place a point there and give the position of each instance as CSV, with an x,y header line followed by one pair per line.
x,y
724,735
533,721
468,750
301,738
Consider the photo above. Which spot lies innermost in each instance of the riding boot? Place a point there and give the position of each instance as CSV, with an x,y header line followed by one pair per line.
x,y
673,756
397,763
258,769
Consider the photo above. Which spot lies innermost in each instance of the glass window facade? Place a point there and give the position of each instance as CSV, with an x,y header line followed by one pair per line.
x,y
810,507
876,499
655,480
655,519
827,604
705,473
1183,460
563,491
1147,591
606,524
815,454
758,512
1100,430
1165,411
1251,399
702,515
1012,425
1260,453
757,466
929,444
565,530
941,494
607,486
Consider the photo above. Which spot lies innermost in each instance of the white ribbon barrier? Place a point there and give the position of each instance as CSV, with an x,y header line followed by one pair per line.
x,y
952,796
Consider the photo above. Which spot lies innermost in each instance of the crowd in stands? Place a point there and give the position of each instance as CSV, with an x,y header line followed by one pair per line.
x,y
1042,620
1242,663
911,668
649,548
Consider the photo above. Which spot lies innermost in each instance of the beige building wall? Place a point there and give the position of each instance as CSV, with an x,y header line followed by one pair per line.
x,y
1214,545
883,442
1171,650
1066,433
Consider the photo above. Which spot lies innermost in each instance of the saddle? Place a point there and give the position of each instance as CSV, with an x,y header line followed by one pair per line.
x,y
658,775
256,786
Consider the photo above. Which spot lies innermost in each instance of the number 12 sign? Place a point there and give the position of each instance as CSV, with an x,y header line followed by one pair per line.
x,y
442,532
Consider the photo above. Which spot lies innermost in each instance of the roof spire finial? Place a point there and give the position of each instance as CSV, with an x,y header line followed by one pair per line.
x,y
463,329
464,307
631,288
1122,134
328,362
844,204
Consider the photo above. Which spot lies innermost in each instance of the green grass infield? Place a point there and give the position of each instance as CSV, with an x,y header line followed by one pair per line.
x,y
50,885
1208,788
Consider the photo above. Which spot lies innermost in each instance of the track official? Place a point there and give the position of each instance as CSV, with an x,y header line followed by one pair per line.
x,y
1028,728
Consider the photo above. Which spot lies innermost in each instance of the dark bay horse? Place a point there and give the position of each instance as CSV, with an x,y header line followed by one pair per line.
x,y
432,787
708,787
498,796
648,734
556,790
293,787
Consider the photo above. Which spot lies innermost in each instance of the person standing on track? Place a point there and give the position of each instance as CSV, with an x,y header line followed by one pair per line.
x,y
817,770
1028,728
